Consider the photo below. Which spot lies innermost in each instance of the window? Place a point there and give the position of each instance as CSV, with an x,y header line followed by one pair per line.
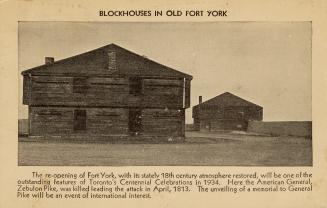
x,y
135,85
80,85
79,120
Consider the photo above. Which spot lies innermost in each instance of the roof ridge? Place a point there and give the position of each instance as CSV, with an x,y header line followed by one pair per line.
x,y
64,59
108,46
146,58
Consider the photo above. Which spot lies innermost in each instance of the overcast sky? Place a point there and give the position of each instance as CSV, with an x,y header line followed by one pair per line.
x,y
268,63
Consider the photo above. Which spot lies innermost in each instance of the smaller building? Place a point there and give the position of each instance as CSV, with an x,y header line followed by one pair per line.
x,y
225,112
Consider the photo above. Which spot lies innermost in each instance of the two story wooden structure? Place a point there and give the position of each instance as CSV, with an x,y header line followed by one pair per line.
x,y
108,92
225,112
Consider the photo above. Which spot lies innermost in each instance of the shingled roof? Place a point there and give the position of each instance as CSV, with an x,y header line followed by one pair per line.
x,y
227,99
95,62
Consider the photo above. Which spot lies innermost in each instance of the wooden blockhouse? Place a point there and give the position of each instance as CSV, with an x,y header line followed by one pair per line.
x,y
109,92
225,112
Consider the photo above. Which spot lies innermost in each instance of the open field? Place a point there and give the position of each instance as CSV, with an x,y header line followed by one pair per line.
x,y
200,149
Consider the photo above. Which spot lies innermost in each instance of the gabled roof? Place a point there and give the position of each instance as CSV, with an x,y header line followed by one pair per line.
x,y
95,62
227,99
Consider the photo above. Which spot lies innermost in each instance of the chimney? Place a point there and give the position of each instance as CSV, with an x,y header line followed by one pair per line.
x,y
49,60
200,99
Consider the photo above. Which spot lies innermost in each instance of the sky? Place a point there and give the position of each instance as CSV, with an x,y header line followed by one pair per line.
x,y
267,63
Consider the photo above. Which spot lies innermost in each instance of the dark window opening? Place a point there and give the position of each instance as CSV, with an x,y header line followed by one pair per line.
x,y
135,121
80,85
135,86
79,120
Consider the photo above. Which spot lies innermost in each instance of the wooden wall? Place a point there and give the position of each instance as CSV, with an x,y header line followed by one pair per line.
x,y
162,93
230,112
48,90
222,124
105,121
60,121
187,93
26,89
168,122
102,91
211,118
106,100
196,124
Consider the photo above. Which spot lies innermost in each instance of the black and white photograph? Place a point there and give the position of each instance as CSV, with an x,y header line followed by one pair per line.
x,y
165,93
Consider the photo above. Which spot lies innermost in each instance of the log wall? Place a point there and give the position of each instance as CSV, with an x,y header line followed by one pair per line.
x,y
223,124
163,122
105,121
26,90
46,90
212,118
230,112
162,93
102,92
60,121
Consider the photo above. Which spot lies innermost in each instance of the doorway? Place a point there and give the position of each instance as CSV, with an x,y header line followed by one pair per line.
x,y
79,120
135,121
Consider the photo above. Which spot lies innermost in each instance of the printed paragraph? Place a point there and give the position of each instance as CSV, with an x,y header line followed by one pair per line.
x,y
139,185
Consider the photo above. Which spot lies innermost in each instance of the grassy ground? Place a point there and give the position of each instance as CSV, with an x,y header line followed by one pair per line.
x,y
214,149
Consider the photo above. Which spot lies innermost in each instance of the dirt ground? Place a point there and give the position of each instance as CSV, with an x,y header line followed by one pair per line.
x,y
199,149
